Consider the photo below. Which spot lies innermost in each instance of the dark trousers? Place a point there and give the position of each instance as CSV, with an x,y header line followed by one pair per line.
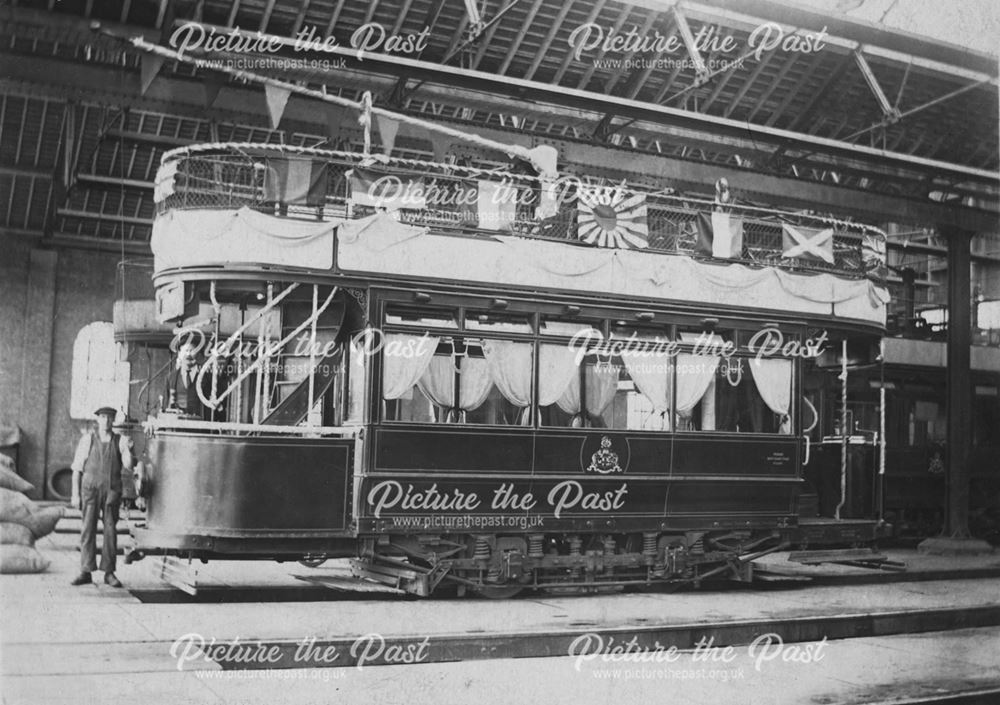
x,y
97,499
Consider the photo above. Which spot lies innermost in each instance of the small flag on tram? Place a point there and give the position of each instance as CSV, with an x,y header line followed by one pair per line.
x,y
807,243
496,205
389,191
295,181
873,252
164,185
612,217
720,235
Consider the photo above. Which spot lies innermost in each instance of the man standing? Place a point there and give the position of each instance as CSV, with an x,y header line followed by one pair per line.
x,y
102,469
182,384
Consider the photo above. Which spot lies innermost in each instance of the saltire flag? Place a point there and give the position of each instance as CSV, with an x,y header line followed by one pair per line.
x,y
807,243
720,235
295,181
610,217
389,191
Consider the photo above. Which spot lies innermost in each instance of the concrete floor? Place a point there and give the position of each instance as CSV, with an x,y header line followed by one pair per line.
x,y
94,644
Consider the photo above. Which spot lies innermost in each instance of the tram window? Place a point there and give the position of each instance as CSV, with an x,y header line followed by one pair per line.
x,y
497,322
457,380
576,395
706,342
572,328
420,318
753,396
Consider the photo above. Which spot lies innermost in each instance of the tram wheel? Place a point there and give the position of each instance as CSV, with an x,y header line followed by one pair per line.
x,y
498,592
313,562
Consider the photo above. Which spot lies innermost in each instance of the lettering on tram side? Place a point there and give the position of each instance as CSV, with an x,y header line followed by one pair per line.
x,y
193,650
391,496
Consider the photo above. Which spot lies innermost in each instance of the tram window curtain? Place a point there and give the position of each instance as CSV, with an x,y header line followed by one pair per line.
x,y
652,374
695,378
695,381
557,368
774,382
438,384
402,371
602,383
510,367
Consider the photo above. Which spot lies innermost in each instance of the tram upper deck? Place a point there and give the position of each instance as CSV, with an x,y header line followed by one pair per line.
x,y
266,212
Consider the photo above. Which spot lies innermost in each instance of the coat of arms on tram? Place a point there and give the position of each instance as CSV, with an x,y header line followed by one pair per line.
x,y
605,460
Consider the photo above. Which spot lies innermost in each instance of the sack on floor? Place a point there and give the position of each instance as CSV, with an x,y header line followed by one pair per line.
x,y
43,521
16,534
9,479
15,507
21,559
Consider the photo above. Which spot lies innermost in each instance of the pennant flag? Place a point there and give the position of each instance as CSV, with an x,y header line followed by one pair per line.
x,y
720,235
807,243
496,205
295,182
164,184
440,145
609,217
387,129
149,66
277,99
213,84
389,191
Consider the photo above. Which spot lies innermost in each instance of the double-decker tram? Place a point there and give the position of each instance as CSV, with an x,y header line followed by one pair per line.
x,y
486,394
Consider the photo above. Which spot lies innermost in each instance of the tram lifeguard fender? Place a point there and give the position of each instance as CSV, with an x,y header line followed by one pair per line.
x,y
202,237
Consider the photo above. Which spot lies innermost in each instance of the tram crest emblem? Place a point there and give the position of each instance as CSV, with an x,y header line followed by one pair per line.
x,y
605,460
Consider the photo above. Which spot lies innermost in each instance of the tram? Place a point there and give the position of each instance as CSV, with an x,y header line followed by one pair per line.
x,y
571,386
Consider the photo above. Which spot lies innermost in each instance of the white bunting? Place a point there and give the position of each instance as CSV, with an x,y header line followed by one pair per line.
x,y
387,129
277,99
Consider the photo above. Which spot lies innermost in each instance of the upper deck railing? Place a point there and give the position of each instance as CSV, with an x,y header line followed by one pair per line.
x,y
232,176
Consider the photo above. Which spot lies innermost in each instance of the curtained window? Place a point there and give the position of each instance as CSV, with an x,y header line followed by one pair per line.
x,y
773,378
457,380
651,371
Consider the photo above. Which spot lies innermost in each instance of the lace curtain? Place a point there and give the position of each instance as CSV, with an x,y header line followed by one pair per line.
x,y
510,368
438,383
401,371
774,382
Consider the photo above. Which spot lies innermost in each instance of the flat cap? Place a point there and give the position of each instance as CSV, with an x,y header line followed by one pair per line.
x,y
106,410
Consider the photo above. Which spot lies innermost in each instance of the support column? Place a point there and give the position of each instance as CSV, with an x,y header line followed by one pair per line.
x,y
956,538
36,366
957,381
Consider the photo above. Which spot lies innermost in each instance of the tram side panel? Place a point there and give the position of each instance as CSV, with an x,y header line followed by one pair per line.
x,y
255,496
595,480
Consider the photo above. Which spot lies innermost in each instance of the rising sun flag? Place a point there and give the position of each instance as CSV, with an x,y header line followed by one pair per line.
x,y
610,217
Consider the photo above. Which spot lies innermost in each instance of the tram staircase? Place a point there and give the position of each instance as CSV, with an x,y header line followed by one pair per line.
x,y
293,405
